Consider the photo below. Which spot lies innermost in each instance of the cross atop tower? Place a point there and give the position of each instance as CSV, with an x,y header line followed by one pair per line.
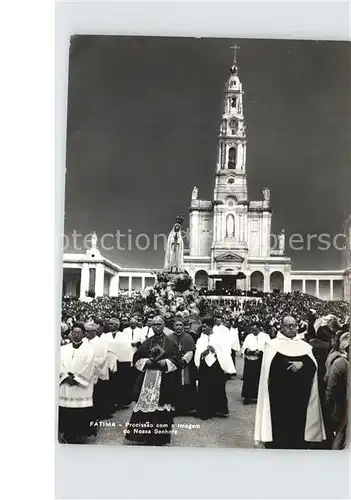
x,y
235,47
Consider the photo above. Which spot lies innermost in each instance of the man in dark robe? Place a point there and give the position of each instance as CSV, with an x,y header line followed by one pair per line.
x,y
127,342
214,362
112,331
186,400
288,413
193,330
157,360
253,348
321,346
336,400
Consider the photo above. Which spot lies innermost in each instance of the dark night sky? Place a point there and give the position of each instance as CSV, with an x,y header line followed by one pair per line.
x,y
143,116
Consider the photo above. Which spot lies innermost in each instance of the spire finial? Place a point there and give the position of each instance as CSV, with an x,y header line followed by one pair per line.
x,y
235,47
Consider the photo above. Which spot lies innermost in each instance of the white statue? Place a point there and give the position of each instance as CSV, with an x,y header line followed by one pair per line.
x,y
266,194
174,258
194,193
281,240
230,226
94,240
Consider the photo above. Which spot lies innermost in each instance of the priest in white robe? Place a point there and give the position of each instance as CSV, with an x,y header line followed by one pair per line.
x,y
127,343
288,413
111,337
234,342
77,364
252,349
134,335
147,331
102,405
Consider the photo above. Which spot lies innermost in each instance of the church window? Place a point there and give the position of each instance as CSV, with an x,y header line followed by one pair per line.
x,y
233,125
92,278
222,161
230,226
233,102
231,157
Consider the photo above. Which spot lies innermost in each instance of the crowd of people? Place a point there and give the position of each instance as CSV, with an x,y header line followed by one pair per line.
x,y
172,352
231,292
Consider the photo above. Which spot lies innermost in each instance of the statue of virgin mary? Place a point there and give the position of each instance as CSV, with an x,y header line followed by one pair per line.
x,y
174,258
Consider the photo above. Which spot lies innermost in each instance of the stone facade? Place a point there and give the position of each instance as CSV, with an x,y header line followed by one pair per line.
x,y
230,236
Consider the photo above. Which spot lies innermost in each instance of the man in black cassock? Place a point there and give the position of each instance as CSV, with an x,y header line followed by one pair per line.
x,y
157,361
288,413
214,362
186,399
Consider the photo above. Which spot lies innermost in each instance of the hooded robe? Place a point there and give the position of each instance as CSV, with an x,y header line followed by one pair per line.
x,y
288,413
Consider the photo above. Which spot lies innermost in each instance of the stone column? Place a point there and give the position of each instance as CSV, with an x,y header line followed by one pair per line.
x,y
287,283
142,283
317,288
194,230
114,286
84,280
99,280
266,283
303,286
247,282
130,286
331,296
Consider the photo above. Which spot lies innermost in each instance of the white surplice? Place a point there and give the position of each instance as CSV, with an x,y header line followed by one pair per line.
x,y
132,336
255,342
147,332
112,350
234,339
80,362
223,333
222,353
99,347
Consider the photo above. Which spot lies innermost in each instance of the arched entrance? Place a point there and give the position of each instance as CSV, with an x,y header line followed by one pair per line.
x,y
276,282
71,282
256,280
201,279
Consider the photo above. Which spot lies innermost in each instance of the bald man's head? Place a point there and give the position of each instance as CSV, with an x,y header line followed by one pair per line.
x,y
158,325
289,327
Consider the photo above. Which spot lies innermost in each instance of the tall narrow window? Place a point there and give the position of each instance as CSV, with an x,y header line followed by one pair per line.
x,y
92,275
230,226
222,161
231,157
233,102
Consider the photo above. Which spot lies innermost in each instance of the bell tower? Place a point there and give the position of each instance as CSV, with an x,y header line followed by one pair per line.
x,y
229,249
230,177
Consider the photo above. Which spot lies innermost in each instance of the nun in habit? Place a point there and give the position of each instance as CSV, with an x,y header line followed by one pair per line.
x,y
288,413
214,362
